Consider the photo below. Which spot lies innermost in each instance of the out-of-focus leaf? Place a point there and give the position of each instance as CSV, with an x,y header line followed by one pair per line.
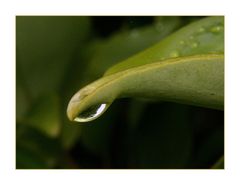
x,y
45,46
22,101
35,150
45,115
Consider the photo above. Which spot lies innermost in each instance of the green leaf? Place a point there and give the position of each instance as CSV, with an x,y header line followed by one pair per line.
x,y
104,53
22,100
188,77
196,80
45,47
126,43
200,37
45,115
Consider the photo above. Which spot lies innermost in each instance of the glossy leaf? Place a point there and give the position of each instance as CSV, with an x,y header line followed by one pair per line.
x,y
103,54
196,80
124,44
201,37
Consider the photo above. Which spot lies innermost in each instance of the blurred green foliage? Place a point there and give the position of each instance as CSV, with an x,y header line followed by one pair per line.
x,y
56,56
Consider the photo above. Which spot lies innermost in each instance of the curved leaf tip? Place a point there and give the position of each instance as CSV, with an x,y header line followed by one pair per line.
x,y
196,80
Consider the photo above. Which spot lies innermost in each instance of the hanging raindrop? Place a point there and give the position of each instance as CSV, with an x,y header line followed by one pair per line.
x,y
92,113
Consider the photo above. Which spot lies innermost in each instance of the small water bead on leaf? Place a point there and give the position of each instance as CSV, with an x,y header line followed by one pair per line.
x,y
191,37
194,45
216,29
201,30
92,113
182,42
174,54
176,45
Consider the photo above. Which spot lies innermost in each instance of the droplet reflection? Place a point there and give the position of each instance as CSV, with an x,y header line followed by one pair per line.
x,y
217,29
92,113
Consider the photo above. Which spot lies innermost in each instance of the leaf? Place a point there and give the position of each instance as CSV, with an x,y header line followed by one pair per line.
x,y
104,53
200,37
45,115
22,101
123,44
101,54
45,46
196,80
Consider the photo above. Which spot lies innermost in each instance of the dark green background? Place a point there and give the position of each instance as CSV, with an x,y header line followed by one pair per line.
x,y
56,56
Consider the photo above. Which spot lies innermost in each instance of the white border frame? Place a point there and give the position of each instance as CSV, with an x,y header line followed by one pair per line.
x,y
8,11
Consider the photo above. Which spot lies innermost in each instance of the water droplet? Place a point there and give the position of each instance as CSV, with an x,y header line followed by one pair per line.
x,y
174,54
191,37
92,113
216,29
194,45
181,42
201,30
